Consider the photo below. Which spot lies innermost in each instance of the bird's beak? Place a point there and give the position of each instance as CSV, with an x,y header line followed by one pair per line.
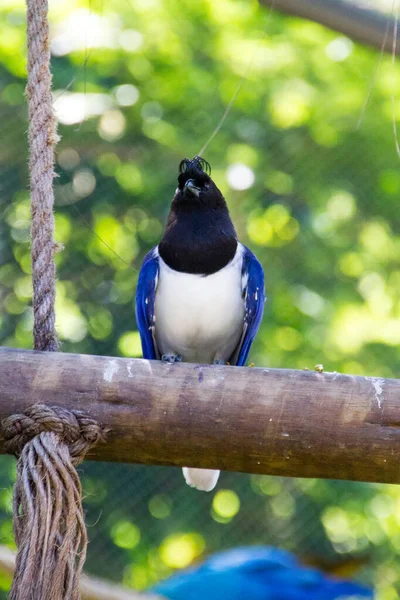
x,y
192,188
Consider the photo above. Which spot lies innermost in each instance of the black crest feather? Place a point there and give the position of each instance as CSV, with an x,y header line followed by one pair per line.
x,y
196,164
200,237
197,169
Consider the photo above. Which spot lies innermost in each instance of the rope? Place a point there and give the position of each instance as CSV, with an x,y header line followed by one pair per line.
x,y
49,442
49,526
42,141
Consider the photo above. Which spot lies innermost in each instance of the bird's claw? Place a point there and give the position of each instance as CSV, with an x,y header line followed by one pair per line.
x,y
217,361
171,358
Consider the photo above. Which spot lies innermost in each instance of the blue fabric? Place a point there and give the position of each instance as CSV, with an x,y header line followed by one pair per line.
x,y
145,298
257,573
255,298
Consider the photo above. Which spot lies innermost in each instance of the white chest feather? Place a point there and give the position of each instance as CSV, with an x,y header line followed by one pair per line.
x,y
200,318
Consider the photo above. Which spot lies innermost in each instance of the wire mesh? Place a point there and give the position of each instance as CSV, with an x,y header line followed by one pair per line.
x,y
138,86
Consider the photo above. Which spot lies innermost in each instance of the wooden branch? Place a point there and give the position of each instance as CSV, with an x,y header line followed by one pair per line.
x,y
280,422
359,23
91,588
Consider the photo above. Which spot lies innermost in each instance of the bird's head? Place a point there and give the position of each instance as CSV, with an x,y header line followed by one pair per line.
x,y
195,184
200,237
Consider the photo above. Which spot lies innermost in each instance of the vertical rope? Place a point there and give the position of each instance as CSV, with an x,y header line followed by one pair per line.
x,y
42,140
49,442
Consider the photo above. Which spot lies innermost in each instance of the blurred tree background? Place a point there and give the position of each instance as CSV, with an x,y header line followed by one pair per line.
x,y
138,85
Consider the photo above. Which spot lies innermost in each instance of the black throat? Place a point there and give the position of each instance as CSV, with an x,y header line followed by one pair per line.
x,y
198,239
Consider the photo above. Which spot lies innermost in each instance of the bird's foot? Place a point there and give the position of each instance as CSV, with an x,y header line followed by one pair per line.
x,y
217,361
171,358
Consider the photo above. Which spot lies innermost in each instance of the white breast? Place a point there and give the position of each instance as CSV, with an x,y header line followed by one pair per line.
x,y
200,318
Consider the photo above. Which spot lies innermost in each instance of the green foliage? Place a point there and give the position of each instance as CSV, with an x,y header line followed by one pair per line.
x,y
314,197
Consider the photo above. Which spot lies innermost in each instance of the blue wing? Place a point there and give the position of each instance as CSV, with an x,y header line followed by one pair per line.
x,y
256,573
145,298
254,294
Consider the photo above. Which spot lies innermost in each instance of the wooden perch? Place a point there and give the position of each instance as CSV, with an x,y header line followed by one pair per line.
x,y
360,23
91,588
279,422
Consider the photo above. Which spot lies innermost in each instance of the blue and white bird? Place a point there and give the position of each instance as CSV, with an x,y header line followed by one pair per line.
x,y
200,293
257,573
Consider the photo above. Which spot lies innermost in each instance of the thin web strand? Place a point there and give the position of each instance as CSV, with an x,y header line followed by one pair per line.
x,y
88,52
215,132
239,86
85,71
394,48
375,75
71,83
86,222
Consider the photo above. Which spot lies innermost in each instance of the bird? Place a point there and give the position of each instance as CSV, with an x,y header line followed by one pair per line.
x,y
200,293
257,573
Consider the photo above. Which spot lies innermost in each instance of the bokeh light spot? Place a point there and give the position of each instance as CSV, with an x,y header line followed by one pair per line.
x,y
240,177
226,503
125,535
129,344
178,551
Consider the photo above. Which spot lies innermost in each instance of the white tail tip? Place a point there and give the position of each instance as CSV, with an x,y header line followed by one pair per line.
x,y
201,479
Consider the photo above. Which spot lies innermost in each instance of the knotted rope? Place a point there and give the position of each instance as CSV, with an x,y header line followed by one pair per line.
x,y
42,141
49,442
49,527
